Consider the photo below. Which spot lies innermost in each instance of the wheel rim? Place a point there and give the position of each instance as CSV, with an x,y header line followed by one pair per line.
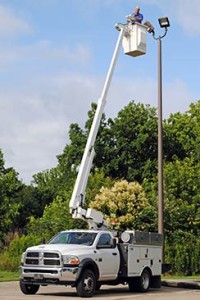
x,y
145,280
88,284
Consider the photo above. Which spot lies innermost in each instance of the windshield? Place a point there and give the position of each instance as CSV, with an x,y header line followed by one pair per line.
x,y
76,238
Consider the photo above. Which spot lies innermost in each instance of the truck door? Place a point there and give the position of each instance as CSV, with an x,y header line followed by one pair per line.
x,y
107,257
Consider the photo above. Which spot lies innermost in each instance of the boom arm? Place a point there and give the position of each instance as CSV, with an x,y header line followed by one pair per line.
x,y
94,218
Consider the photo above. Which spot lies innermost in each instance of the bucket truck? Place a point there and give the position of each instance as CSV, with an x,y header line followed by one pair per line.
x,y
87,259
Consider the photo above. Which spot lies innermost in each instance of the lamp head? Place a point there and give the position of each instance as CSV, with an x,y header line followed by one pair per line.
x,y
149,26
164,22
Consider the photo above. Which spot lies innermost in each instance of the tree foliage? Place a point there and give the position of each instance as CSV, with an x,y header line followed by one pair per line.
x,y
10,187
55,218
182,196
182,133
132,145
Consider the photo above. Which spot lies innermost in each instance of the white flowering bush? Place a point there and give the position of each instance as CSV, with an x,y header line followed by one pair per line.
x,y
125,206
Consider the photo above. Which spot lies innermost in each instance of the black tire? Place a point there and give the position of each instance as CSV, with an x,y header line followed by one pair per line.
x,y
140,284
86,285
28,289
98,286
144,281
132,285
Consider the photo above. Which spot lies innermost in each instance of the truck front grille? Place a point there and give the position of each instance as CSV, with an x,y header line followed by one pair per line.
x,y
48,262
32,261
43,259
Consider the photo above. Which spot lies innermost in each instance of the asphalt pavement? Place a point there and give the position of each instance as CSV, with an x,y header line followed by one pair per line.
x,y
172,289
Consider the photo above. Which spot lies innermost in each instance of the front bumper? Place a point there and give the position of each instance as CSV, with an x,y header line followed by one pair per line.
x,y
49,275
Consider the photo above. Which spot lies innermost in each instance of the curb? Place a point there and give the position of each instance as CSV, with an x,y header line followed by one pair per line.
x,y
181,284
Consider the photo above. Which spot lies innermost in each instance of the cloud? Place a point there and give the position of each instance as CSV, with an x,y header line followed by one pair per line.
x,y
177,97
34,123
10,24
78,54
42,52
32,131
186,13
185,9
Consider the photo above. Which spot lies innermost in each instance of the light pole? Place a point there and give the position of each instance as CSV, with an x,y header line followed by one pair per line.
x,y
164,23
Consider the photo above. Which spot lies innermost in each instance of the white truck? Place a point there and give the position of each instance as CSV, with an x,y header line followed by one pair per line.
x,y
87,259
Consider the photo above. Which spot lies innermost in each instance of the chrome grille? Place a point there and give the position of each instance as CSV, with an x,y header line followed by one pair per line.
x,y
32,254
51,254
48,262
43,258
32,261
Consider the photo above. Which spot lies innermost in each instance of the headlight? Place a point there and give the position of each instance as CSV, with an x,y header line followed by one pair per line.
x,y
71,260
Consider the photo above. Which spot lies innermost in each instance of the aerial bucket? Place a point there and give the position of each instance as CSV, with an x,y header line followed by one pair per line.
x,y
134,40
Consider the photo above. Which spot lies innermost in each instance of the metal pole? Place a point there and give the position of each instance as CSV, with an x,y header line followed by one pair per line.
x,y
160,145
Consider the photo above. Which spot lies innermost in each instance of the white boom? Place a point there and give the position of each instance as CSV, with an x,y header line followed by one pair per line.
x,y
95,218
78,195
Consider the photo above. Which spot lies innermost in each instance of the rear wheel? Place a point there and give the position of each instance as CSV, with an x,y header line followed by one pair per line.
x,y
28,289
142,283
86,285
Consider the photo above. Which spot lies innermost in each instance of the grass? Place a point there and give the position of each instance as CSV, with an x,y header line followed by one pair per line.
x,y
195,277
9,276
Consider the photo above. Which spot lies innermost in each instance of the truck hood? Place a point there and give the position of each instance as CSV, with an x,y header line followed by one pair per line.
x,y
67,249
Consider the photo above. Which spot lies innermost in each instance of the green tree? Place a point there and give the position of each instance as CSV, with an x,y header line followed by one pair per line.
x,y
10,187
133,149
70,159
96,180
103,141
181,213
55,218
182,134
182,196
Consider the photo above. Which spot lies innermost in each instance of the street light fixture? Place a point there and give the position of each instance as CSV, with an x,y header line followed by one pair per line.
x,y
164,23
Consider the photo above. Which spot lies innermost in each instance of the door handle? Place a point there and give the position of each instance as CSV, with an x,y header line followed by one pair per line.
x,y
114,253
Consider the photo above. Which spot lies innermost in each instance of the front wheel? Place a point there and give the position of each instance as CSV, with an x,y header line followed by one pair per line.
x,y
28,289
86,285
98,286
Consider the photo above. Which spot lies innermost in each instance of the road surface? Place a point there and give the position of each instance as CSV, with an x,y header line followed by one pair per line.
x,y
11,291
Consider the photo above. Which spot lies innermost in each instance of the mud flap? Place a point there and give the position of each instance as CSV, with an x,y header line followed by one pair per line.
x,y
155,282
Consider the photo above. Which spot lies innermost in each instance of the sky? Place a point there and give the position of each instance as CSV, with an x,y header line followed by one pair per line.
x,y
54,58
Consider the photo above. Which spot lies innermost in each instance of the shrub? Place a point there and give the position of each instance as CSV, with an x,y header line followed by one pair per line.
x,y
183,251
10,257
